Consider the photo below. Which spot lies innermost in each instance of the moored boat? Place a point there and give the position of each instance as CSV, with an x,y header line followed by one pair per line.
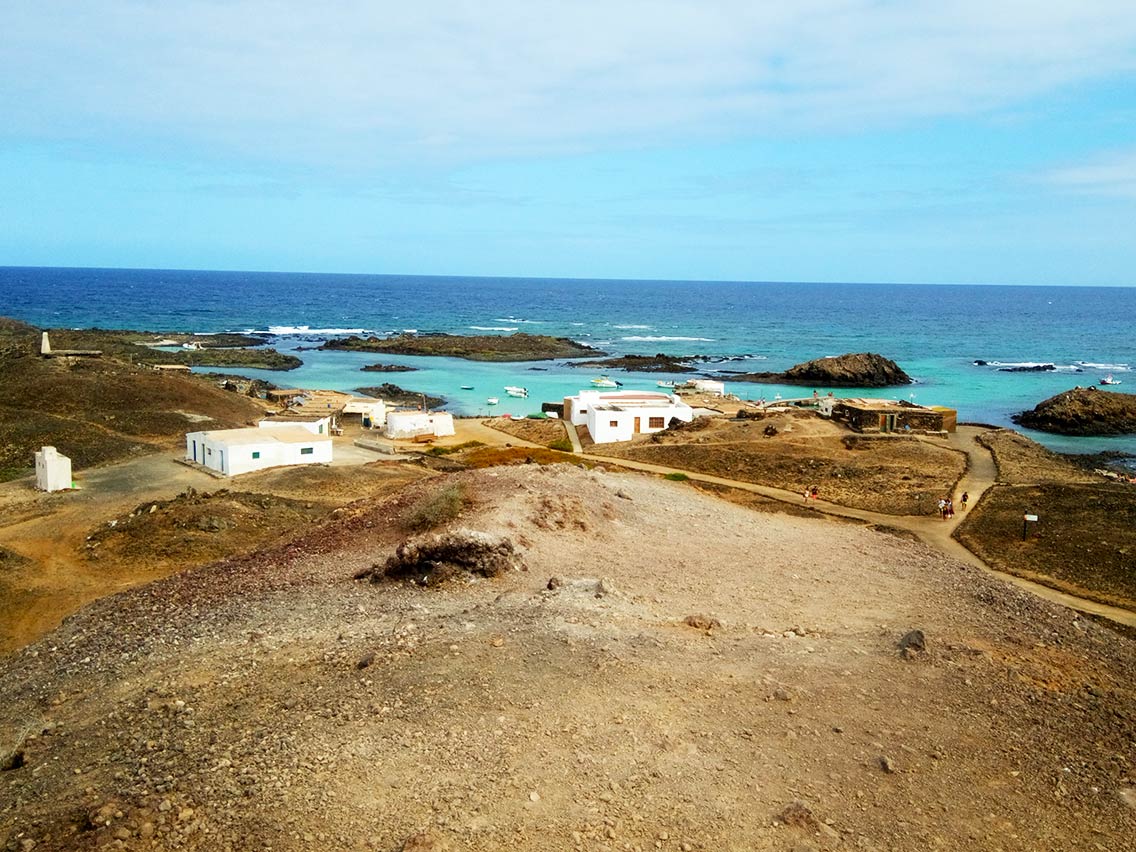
x,y
467,387
513,390
665,384
492,400
605,382
1109,380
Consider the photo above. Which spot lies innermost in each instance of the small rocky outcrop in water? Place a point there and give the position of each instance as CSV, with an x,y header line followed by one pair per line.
x,y
1083,411
859,370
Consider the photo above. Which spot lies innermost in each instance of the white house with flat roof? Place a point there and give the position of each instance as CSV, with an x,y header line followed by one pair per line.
x,y
621,415
411,424
236,451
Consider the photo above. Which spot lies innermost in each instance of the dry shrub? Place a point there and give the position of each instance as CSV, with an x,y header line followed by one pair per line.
x,y
433,510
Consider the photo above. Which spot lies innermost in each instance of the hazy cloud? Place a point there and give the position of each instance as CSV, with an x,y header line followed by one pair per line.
x,y
1112,175
361,83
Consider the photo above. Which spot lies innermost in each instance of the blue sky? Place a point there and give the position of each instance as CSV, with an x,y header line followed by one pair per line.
x,y
830,140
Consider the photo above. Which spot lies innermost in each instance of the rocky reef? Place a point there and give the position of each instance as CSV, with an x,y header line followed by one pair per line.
x,y
858,370
1083,411
479,347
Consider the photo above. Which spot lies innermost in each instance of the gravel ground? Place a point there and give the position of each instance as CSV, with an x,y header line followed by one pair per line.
x,y
663,670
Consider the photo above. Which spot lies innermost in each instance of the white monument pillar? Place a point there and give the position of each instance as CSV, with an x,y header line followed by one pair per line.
x,y
53,471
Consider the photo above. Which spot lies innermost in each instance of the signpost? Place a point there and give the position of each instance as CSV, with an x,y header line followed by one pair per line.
x,y
1027,519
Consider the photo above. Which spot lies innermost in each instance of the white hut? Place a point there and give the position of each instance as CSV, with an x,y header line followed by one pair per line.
x,y
53,470
235,451
411,424
621,415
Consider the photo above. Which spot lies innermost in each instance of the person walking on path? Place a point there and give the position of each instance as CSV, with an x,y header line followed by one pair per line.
x,y
963,499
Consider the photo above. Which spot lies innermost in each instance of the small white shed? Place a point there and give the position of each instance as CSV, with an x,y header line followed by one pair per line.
x,y
411,424
235,451
53,470
372,412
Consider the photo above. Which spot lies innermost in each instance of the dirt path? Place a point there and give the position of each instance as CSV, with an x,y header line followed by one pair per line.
x,y
980,476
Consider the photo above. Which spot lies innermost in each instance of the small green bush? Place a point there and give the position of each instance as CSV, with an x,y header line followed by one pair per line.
x,y
676,477
436,509
562,444
457,448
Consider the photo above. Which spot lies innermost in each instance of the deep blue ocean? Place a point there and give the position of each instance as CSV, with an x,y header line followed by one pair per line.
x,y
934,332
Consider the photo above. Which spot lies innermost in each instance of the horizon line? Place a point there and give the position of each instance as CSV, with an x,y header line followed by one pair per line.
x,y
565,278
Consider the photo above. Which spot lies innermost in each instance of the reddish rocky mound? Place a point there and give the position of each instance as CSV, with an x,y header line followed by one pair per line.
x,y
1083,411
859,370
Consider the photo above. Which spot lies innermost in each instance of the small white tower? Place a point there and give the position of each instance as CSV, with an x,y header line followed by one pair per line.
x,y
53,471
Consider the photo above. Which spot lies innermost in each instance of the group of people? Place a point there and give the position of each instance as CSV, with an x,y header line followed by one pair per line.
x,y
947,505
812,492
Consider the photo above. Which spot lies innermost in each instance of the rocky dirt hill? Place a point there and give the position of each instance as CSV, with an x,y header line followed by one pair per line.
x,y
1083,411
860,370
654,669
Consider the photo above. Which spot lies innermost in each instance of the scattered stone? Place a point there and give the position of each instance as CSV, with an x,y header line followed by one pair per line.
x,y
554,583
365,661
433,559
798,815
912,644
605,587
782,694
534,796
426,841
702,622
886,764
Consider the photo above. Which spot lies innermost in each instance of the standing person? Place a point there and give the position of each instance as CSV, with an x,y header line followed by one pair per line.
x,y
942,508
963,500
950,508
815,493
808,491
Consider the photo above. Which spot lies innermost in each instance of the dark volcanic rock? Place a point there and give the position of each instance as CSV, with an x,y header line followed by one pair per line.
x,y
387,368
660,363
860,370
482,347
1035,368
1083,411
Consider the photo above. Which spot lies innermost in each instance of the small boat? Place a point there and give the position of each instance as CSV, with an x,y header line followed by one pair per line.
x,y
1109,380
605,382
664,384
467,387
492,400
513,390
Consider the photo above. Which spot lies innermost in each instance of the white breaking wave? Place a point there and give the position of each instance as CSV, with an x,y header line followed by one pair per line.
x,y
650,338
493,327
1112,368
631,327
515,319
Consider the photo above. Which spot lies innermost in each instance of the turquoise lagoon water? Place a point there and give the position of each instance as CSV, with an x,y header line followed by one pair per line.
x,y
934,332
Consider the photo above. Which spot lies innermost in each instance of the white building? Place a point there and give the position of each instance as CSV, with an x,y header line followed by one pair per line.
x,y
708,386
372,412
235,451
411,424
53,470
621,415
315,424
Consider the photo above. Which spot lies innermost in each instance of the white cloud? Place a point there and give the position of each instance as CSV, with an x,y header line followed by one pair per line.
x,y
368,82
1111,175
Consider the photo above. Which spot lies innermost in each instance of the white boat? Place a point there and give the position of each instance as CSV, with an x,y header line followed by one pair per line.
x,y
605,382
492,400
664,384
1109,380
467,387
513,390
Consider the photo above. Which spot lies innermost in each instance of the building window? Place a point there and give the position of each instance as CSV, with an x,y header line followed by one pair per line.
x,y
613,423
307,451
321,428
256,454
655,423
